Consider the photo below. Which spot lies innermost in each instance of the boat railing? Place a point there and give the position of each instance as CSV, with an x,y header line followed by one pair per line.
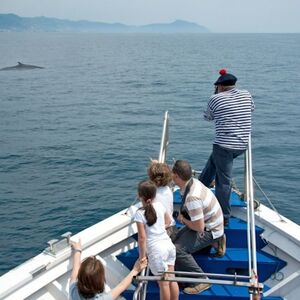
x,y
268,199
249,197
211,278
141,290
250,281
164,139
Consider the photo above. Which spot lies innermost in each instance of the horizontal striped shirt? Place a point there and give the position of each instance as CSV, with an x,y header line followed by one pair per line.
x,y
201,203
231,111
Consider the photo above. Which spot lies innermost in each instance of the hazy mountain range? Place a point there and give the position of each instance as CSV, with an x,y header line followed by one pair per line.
x,y
12,22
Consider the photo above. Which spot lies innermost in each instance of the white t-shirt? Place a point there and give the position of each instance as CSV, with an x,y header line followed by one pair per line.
x,y
160,249
164,195
157,231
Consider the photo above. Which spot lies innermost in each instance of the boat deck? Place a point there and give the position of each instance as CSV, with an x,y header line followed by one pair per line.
x,y
235,261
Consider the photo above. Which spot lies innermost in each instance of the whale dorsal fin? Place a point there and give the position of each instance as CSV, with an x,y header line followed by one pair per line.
x,y
19,63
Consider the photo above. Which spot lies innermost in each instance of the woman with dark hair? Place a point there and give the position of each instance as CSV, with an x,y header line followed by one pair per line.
x,y
153,239
88,278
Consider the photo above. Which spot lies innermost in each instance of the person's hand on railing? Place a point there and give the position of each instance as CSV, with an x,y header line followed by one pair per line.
x,y
140,264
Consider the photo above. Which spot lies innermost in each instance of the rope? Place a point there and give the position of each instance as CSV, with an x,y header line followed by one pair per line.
x,y
269,201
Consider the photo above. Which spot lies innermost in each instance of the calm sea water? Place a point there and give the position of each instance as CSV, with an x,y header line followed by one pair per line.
x,y
76,137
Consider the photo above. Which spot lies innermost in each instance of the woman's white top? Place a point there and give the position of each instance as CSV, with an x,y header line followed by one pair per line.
x,y
164,195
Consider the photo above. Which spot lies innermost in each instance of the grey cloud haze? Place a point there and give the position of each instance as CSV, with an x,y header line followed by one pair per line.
x,y
218,15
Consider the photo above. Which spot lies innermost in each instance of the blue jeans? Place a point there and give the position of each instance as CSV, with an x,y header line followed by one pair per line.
x,y
219,167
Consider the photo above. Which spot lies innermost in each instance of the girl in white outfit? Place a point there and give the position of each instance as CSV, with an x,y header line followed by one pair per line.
x,y
153,239
161,175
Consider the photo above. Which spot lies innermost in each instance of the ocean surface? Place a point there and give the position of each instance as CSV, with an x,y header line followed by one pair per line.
x,y
76,137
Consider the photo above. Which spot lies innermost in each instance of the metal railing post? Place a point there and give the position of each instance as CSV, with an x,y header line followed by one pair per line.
x,y
141,290
246,197
251,235
137,293
144,289
164,139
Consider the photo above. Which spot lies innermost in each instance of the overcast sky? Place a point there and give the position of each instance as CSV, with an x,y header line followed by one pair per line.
x,y
216,15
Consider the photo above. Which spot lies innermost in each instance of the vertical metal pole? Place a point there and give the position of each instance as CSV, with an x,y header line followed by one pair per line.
x,y
246,196
164,139
142,288
144,292
251,215
139,291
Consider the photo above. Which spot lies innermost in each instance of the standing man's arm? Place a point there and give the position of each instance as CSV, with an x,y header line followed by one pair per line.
x,y
208,114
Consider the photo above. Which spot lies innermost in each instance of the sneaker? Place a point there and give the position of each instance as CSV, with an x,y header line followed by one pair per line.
x,y
221,248
197,289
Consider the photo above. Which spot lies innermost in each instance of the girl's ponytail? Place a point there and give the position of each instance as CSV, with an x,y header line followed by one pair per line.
x,y
147,191
150,213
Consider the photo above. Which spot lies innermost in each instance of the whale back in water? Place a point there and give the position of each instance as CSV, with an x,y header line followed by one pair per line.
x,y
21,66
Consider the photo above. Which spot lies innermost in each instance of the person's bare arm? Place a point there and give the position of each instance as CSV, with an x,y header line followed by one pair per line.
x,y
76,247
197,225
124,284
167,220
141,239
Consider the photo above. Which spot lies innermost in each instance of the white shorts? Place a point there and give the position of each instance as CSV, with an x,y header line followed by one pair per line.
x,y
161,254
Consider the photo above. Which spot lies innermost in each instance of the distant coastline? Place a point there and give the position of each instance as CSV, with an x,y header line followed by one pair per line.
x,y
12,22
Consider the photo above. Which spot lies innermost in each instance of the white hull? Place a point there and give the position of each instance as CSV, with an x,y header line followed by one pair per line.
x,y
113,235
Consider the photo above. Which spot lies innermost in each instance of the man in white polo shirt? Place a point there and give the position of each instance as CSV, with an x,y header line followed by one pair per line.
x,y
203,219
230,108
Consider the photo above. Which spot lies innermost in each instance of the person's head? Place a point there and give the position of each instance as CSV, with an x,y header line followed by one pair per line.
x,y
182,172
159,173
225,82
147,193
91,277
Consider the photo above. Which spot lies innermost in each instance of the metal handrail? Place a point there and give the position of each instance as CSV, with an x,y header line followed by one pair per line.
x,y
164,139
253,284
140,292
192,279
144,289
199,274
140,288
251,234
269,200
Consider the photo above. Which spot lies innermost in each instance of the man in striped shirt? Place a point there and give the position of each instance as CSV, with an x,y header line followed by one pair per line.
x,y
231,109
203,219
